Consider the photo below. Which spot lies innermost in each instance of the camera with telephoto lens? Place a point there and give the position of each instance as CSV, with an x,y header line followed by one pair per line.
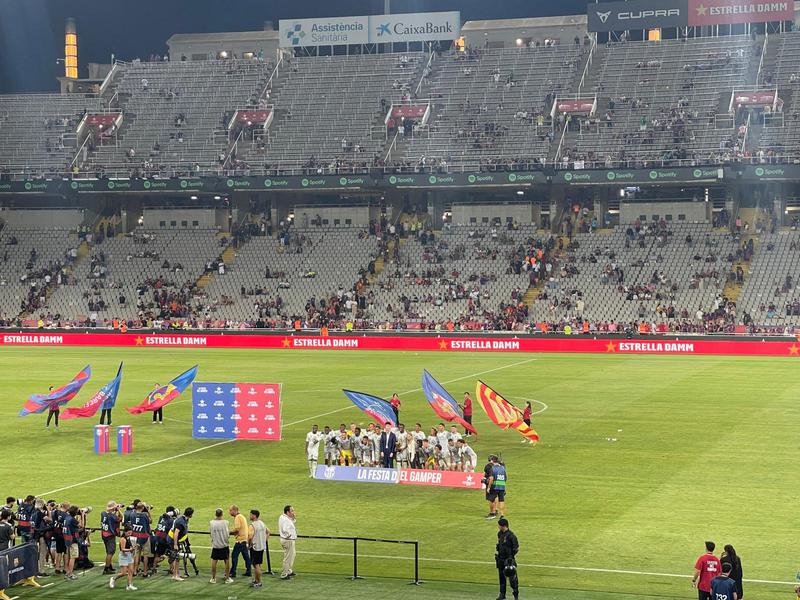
x,y
85,510
174,554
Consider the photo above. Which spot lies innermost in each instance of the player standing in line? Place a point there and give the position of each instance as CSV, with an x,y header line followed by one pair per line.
x,y
402,447
376,445
355,446
313,438
469,459
442,436
455,455
454,435
331,456
425,455
367,450
418,436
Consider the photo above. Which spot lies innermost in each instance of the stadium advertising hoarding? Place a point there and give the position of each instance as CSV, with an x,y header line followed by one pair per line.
x,y
762,98
730,12
17,564
423,477
331,31
624,176
295,183
242,411
414,27
575,106
636,14
530,343
373,29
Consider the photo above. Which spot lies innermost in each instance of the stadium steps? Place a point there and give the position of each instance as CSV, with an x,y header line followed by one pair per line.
x,y
228,256
532,294
732,289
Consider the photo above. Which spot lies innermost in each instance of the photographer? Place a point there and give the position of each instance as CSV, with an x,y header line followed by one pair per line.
x,y
496,488
160,539
42,530
70,531
507,548
180,535
24,516
140,527
109,525
6,530
59,517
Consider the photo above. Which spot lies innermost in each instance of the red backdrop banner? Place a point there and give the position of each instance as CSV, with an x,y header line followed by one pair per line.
x,y
748,347
729,12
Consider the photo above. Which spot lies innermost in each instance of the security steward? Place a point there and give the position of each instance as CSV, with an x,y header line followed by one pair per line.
x,y
507,548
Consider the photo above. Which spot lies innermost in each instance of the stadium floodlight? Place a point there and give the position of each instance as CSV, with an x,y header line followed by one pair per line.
x,y
192,197
519,41
217,197
520,193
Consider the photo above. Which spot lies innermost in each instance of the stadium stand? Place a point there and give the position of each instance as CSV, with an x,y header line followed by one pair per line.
x,y
491,108
38,132
176,116
330,113
658,102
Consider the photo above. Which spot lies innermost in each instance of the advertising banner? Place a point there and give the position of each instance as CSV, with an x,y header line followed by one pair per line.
x,y
575,106
529,343
730,12
242,411
332,31
414,27
762,98
636,14
424,477
18,563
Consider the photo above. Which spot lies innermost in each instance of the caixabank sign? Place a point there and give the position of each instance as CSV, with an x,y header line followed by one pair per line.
x,y
637,14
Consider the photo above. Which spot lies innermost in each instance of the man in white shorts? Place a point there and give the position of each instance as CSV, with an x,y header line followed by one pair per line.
x,y
469,459
313,438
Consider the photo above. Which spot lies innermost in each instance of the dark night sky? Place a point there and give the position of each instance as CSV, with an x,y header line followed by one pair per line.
x,y
32,31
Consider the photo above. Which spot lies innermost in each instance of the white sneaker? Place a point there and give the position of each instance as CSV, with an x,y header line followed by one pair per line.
x,y
228,580
213,580
111,582
177,578
131,588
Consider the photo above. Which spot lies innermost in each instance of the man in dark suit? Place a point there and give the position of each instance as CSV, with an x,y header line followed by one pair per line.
x,y
388,445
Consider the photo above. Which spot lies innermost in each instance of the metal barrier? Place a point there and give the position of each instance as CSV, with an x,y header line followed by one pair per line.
x,y
355,540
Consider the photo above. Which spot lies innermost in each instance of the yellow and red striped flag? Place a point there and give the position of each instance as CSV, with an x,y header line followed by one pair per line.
x,y
502,412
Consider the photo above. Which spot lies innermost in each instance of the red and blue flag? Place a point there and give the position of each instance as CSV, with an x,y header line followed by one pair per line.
x,y
376,408
165,394
443,403
39,403
106,397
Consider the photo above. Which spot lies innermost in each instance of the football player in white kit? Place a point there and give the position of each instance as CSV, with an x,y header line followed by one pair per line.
x,y
331,450
469,459
313,438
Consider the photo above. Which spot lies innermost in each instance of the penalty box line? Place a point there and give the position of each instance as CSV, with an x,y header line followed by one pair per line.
x,y
222,443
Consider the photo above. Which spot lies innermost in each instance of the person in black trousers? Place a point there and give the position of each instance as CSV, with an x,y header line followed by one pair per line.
x,y
507,548
729,556
158,414
54,411
105,414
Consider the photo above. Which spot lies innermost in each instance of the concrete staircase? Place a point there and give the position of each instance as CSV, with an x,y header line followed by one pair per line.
x,y
228,256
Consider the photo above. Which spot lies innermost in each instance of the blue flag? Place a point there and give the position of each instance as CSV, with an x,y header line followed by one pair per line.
x,y
106,397
377,408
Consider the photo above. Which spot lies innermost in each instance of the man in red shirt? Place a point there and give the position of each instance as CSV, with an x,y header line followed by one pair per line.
x,y
705,569
467,410
395,402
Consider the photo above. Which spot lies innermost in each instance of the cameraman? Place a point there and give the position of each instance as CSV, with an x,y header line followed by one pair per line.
x,y
70,530
180,535
59,518
109,524
160,539
24,518
496,488
6,529
507,548
42,526
140,527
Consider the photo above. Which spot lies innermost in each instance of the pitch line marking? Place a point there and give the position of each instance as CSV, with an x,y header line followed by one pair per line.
x,y
222,443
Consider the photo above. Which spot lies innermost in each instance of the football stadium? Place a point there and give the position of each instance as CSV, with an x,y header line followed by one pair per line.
x,y
418,299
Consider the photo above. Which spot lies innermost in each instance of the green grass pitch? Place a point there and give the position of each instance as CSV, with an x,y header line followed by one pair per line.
x,y
706,448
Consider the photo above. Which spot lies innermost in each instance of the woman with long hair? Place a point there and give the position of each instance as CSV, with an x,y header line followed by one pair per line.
x,y
729,556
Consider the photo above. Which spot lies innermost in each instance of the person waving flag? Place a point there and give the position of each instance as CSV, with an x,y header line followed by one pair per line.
x,y
38,403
